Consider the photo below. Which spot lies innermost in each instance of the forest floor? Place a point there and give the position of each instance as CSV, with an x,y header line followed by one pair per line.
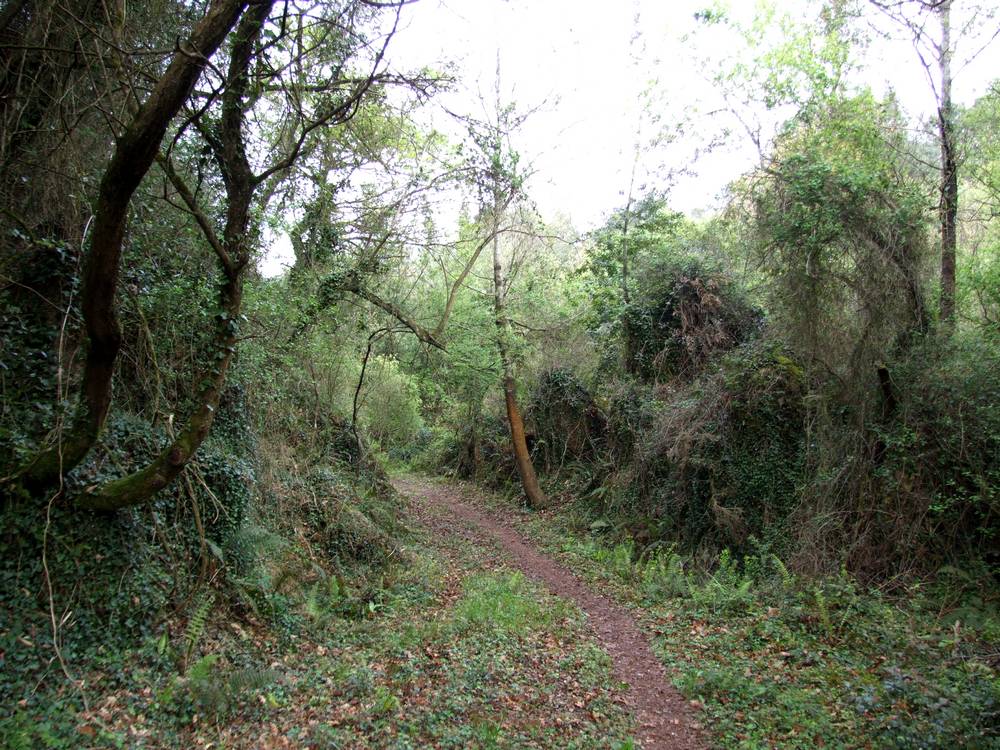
x,y
473,640
497,627
664,718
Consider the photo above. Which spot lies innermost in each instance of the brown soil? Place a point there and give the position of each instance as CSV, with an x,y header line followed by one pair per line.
x,y
665,720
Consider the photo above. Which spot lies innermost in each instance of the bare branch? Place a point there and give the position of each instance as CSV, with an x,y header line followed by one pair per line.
x,y
195,210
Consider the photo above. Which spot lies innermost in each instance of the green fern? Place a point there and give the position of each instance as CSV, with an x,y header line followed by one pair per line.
x,y
262,541
787,580
727,590
218,692
663,574
201,670
289,574
241,682
196,625
321,600
824,612
253,594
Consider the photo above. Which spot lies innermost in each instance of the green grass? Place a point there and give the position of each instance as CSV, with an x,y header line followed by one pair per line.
x,y
447,649
780,661
506,602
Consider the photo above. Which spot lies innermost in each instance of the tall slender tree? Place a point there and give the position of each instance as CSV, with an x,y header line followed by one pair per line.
x,y
500,182
949,167
930,26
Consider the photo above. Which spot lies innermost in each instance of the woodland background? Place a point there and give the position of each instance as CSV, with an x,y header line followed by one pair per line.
x,y
790,404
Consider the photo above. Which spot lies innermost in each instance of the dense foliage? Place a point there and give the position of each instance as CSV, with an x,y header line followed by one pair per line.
x,y
764,415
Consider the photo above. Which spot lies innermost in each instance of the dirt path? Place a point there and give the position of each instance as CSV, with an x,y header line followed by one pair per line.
x,y
665,721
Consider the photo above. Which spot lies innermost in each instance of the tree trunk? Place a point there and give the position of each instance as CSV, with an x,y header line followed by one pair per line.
x,y
628,340
234,257
134,153
949,173
139,486
525,469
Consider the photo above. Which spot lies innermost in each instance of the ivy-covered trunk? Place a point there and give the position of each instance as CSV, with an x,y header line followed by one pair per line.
x,y
233,252
522,458
133,155
143,484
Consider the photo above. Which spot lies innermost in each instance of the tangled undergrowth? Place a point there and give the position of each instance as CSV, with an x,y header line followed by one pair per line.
x,y
782,660
277,530
150,599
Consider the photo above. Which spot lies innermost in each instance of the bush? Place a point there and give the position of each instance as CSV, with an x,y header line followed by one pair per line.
x,y
941,464
569,425
723,459
685,314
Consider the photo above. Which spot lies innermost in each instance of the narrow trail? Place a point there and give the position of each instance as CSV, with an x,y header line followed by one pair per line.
x,y
664,719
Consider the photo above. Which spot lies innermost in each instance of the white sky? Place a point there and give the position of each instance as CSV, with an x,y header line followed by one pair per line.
x,y
583,65
576,56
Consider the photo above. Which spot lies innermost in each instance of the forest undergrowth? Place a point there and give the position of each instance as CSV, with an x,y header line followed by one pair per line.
x,y
438,645
780,660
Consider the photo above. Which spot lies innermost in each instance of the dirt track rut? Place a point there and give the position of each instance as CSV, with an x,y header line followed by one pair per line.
x,y
665,721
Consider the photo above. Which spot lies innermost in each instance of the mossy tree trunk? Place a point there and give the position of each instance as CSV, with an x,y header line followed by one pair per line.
x,y
522,458
133,155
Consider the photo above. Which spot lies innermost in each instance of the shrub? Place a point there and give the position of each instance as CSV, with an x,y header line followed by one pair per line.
x,y
569,425
939,464
723,458
685,314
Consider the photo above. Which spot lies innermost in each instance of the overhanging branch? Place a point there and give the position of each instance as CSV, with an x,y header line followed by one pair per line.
x,y
353,286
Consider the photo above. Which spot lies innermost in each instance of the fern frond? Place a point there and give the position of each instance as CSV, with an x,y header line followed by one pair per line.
x,y
196,625
824,613
241,682
786,578
291,572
